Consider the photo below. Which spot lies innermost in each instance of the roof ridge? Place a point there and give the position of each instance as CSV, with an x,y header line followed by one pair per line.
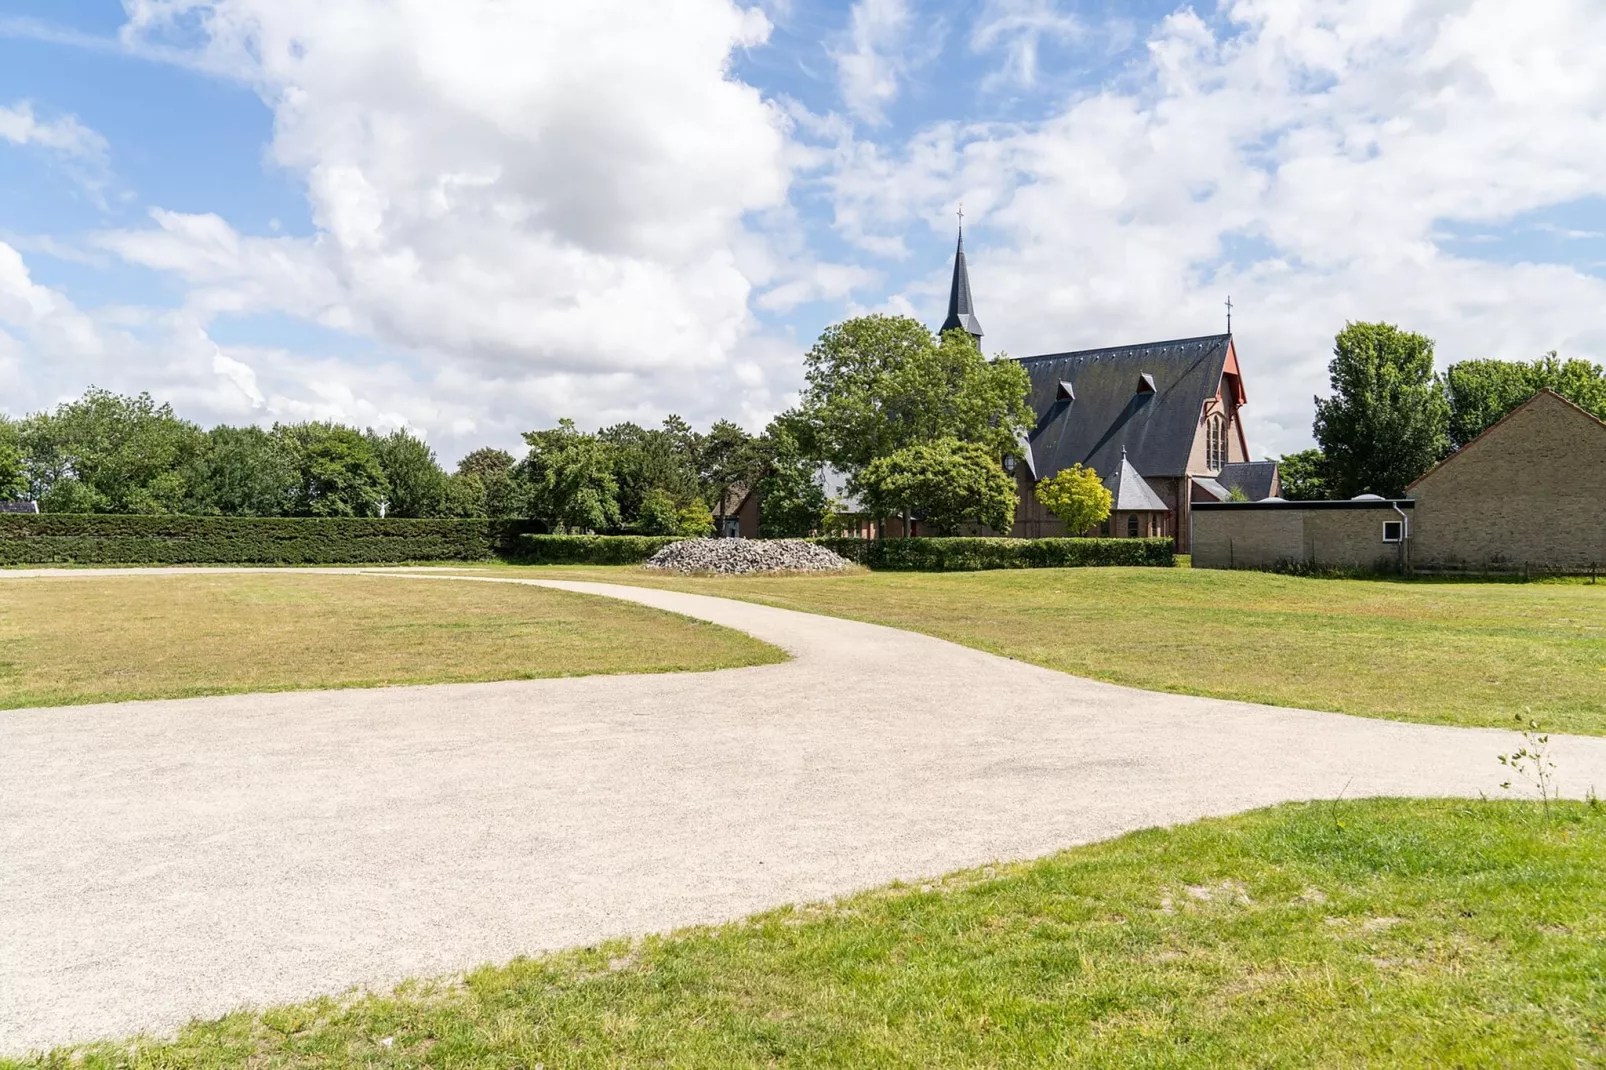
x,y
1132,345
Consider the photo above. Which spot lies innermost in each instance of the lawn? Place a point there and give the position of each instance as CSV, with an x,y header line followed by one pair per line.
x,y
1443,652
93,639
1362,933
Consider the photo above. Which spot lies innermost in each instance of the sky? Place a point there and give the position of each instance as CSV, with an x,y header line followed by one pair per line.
x,y
475,218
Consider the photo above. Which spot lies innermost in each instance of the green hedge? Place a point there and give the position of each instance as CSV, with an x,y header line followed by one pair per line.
x,y
96,539
588,549
964,555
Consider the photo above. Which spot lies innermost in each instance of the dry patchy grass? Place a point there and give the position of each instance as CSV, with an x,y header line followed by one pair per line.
x,y
67,640
1447,653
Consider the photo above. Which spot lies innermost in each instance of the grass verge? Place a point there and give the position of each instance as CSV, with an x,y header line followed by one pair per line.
x,y
1447,653
68,640
1398,933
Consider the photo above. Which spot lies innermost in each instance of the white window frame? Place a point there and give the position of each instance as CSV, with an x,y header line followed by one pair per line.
x,y
1399,530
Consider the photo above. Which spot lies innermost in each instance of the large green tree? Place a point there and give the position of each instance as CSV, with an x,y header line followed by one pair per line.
x,y
1482,391
792,500
570,476
1387,420
483,485
13,474
657,463
107,453
243,471
880,384
337,473
415,482
946,483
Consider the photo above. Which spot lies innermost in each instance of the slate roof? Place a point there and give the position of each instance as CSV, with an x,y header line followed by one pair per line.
x,y
1131,493
1252,477
961,310
1216,491
1108,412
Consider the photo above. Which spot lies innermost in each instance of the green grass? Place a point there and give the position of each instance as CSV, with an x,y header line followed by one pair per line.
x,y
1441,652
1376,933
83,639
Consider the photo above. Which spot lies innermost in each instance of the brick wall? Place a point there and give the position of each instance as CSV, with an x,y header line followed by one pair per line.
x,y
1530,492
1263,535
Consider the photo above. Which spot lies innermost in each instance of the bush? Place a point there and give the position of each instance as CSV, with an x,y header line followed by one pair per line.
x,y
588,549
107,539
963,555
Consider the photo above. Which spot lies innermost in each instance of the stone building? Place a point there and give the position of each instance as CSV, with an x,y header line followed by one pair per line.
x,y
1529,494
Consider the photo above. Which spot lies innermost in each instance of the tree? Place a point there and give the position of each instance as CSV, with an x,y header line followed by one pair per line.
x,y
653,459
1481,392
414,479
484,484
1077,496
880,384
106,453
658,514
1387,421
1303,475
243,471
13,476
570,479
337,473
946,483
727,457
792,502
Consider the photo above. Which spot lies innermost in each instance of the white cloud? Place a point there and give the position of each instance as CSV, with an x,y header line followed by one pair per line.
x,y
1017,28
83,152
553,194
874,56
1328,139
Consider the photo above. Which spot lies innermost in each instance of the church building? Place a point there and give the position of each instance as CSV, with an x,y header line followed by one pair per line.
x,y
1160,422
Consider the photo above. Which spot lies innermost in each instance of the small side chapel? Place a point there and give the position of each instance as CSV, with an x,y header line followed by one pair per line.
x,y
1160,422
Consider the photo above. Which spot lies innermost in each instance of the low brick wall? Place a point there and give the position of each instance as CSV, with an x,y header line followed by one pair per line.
x,y
1269,534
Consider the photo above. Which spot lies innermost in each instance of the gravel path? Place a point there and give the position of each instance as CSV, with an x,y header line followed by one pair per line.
x,y
163,860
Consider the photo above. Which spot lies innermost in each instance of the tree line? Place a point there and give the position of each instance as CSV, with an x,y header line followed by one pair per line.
x,y
917,424
109,453
1391,417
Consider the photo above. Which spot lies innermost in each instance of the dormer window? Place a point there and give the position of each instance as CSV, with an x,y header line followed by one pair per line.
x,y
1146,383
1065,392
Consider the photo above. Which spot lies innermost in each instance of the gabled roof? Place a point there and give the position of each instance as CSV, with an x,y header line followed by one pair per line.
x,y
1131,493
1254,478
961,311
1108,411
1545,396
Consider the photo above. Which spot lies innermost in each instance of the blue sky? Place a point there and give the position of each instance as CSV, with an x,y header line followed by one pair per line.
x,y
476,218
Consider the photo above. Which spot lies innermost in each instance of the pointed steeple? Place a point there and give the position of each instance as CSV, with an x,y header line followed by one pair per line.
x,y
961,312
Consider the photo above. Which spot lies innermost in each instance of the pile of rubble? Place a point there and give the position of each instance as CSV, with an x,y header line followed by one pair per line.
x,y
740,556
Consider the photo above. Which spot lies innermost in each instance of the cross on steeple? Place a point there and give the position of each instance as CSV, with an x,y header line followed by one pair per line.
x,y
1229,313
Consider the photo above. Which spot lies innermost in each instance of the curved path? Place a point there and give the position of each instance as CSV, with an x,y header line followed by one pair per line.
x,y
163,860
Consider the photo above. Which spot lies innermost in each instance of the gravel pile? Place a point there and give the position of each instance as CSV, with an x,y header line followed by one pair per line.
x,y
737,556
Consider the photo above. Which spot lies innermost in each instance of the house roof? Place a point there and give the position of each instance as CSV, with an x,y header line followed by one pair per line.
x,y
1254,478
961,310
1111,410
1216,491
1131,493
1544,396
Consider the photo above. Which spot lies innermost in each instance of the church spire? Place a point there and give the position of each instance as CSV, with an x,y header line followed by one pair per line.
x,y
961,312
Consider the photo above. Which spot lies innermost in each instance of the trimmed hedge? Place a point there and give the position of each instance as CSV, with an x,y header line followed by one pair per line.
x,y
967,555
100,539
588,549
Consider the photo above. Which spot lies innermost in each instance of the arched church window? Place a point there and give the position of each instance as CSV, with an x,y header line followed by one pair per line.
x,y
1132,526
